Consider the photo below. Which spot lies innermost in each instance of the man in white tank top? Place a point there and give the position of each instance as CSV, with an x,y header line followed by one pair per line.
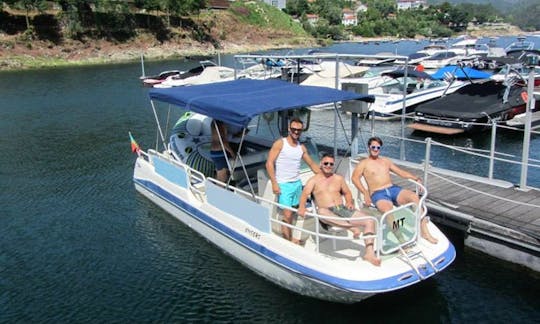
x,y
283,167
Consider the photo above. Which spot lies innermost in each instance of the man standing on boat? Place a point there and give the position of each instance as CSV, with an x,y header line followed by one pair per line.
x,y
218,148
328,190
376,171
283,167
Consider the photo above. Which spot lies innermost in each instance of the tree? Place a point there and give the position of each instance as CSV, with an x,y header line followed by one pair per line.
x,y
29,5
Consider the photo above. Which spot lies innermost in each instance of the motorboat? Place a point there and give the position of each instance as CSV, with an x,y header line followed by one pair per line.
x,y
472,108
209,74
519,72
405,89
443,58
331,71
241,216
379,59
521,44
470,47
433,48
158,78
153,80
520,120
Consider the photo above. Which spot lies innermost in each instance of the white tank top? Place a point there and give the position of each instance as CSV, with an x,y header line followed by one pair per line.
x,y
288,162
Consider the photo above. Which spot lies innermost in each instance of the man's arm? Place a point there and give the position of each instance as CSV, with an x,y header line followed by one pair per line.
x,y
224,138
346,192
356,179
271,164
402,173
308,189
307,158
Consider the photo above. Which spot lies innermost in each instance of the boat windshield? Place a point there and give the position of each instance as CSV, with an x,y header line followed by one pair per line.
x,y
442,55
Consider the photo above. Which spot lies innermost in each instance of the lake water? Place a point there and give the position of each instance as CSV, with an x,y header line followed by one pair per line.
x,y
78,244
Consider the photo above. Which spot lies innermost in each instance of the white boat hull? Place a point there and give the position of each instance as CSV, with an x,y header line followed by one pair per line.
x,y
293,267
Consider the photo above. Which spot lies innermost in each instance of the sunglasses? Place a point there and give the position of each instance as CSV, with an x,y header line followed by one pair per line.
x,y
296,130
375,147
328,163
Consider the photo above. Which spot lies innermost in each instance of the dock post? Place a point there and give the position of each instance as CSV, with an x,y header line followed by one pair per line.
x,y
527,133
426,160
492,149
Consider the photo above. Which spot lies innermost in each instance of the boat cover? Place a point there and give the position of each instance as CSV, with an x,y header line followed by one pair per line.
x,y
411,73
460,73
237,102
474,100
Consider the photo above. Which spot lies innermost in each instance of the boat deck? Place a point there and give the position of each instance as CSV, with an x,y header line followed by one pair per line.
x,y
497,217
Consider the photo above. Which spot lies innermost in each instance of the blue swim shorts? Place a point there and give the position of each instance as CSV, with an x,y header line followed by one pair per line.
x,y
290,193
219,160
390,193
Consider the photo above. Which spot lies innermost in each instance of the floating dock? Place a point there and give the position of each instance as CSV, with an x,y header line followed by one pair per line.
x,y
496,217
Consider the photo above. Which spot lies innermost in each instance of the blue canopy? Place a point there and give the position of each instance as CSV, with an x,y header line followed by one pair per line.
x,y
237,102
460,73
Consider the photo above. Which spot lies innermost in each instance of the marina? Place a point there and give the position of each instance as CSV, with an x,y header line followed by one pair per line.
x,y
89,247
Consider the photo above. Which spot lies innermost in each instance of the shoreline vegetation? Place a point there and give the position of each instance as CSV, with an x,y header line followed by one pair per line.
x,y
23,52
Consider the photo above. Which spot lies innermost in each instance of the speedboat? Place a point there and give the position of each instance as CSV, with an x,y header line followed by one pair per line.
x,y
241,216
472,108
209,74
154,80
407,88
330,71
521,44
443,58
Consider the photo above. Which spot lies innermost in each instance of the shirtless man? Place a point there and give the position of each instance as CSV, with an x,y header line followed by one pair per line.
x,y
216,150
328,189
283,167
376,170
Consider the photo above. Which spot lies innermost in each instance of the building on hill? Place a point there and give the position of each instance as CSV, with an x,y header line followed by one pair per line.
x,y
280,4
348,17
312,19
411,4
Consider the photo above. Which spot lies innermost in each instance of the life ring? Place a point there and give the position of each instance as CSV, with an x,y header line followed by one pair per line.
x,y
268,116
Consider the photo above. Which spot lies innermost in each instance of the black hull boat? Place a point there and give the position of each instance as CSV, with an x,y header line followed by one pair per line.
x,y
472,108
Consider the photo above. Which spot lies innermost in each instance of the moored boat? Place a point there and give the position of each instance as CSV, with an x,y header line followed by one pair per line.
x,y
242,219
472,108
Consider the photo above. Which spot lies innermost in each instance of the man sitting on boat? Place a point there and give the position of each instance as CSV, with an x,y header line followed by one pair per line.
x,y
328,190
283,167
376,171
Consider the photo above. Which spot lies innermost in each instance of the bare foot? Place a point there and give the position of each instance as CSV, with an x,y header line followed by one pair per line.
x,y
371,258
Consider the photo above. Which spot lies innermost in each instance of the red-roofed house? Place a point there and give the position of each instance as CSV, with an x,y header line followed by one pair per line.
x,y
348,17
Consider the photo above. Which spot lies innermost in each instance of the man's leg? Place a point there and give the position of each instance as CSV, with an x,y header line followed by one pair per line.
x,y
407,196
369,229
386,205
287,218
222,175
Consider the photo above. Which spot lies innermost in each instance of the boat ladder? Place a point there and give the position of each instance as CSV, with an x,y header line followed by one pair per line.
x,y
409,254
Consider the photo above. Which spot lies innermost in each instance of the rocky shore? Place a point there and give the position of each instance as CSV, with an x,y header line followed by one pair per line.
x,y
17,53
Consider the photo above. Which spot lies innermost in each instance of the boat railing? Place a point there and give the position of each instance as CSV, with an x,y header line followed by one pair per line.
x,y
490,155
197,183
